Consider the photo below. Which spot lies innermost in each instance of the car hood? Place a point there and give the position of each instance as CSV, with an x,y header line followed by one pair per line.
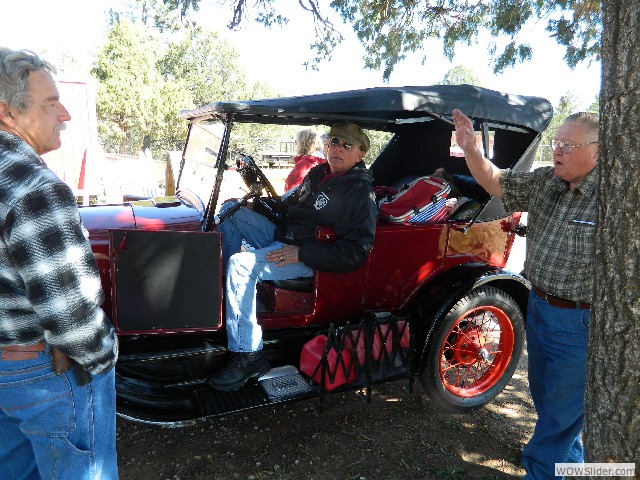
x,y
147,215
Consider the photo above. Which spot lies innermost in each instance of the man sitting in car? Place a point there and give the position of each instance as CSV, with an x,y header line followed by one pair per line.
x,y
336,194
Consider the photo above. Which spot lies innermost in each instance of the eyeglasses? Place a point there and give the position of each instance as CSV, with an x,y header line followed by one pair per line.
x,y
566,147
335,141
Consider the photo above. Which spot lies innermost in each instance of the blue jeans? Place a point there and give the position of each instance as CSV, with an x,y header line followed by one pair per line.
x,y
244,269
51,428
557,350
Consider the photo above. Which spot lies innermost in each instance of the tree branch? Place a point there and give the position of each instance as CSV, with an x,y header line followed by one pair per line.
x,y
238,14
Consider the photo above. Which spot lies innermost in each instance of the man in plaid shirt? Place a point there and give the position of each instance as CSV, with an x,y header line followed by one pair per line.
x,y
561,225
55,422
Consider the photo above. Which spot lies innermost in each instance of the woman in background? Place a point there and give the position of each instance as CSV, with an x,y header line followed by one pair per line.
x,y
307,143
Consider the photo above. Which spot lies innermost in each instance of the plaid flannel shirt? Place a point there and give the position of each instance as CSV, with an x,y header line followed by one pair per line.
x,y
561,227
49,283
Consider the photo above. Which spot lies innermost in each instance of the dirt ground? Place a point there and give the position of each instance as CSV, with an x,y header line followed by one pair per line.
x,y
399,435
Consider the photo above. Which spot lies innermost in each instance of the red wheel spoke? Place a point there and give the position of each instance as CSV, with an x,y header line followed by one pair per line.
x,y
473,355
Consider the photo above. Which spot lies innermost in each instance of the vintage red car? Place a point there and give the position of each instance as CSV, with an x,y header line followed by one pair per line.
x,y
433,301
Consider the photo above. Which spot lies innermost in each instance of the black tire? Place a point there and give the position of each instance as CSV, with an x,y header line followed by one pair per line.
x,y
474,350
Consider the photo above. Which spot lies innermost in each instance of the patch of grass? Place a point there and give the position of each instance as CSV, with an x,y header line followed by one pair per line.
x,y
453,424
451,473
429,446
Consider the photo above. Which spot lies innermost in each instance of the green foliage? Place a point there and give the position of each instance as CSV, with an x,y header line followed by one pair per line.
x,y
567,105
453,424
207,65
170,132
453,473
145,78
127,93
136,107
578,29
255,138
183,6
157,14
460,75
378,140
391,29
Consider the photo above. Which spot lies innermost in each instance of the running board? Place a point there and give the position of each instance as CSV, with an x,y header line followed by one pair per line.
x,y
282,383
162,405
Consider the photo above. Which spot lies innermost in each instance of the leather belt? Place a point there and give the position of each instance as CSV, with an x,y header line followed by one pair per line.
x,y
560,302
21,352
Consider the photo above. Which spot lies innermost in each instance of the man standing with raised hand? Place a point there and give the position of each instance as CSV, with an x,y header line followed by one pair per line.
x,y
559,263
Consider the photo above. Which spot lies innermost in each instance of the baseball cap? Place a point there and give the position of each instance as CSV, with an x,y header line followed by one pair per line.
x,y
351,133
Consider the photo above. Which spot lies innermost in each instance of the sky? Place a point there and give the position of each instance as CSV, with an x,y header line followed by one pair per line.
x,y
275,56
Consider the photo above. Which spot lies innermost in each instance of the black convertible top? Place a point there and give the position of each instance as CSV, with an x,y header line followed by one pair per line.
x,y
384,107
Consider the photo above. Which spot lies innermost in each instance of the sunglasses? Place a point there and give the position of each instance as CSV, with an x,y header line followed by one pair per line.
x,y
335,142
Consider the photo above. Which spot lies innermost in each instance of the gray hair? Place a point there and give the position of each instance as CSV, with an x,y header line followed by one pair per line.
x,y
589,120
15,66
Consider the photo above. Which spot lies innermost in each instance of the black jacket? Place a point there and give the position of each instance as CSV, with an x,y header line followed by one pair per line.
x,y
345,203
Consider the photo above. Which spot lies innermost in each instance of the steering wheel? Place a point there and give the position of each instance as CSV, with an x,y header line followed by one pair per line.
x,y
259,185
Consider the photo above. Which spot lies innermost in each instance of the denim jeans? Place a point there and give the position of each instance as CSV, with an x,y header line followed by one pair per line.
x,y
244,269
51,428
557,350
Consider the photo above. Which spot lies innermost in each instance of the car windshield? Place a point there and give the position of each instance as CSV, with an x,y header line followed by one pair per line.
x,y
198,171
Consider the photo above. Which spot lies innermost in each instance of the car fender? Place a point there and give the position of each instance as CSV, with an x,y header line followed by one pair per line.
x,y
440,295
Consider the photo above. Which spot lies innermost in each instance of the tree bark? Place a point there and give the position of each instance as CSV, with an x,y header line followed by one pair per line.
x,y
612,398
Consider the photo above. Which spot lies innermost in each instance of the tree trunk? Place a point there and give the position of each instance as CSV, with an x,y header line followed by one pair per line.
x,y
612,399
